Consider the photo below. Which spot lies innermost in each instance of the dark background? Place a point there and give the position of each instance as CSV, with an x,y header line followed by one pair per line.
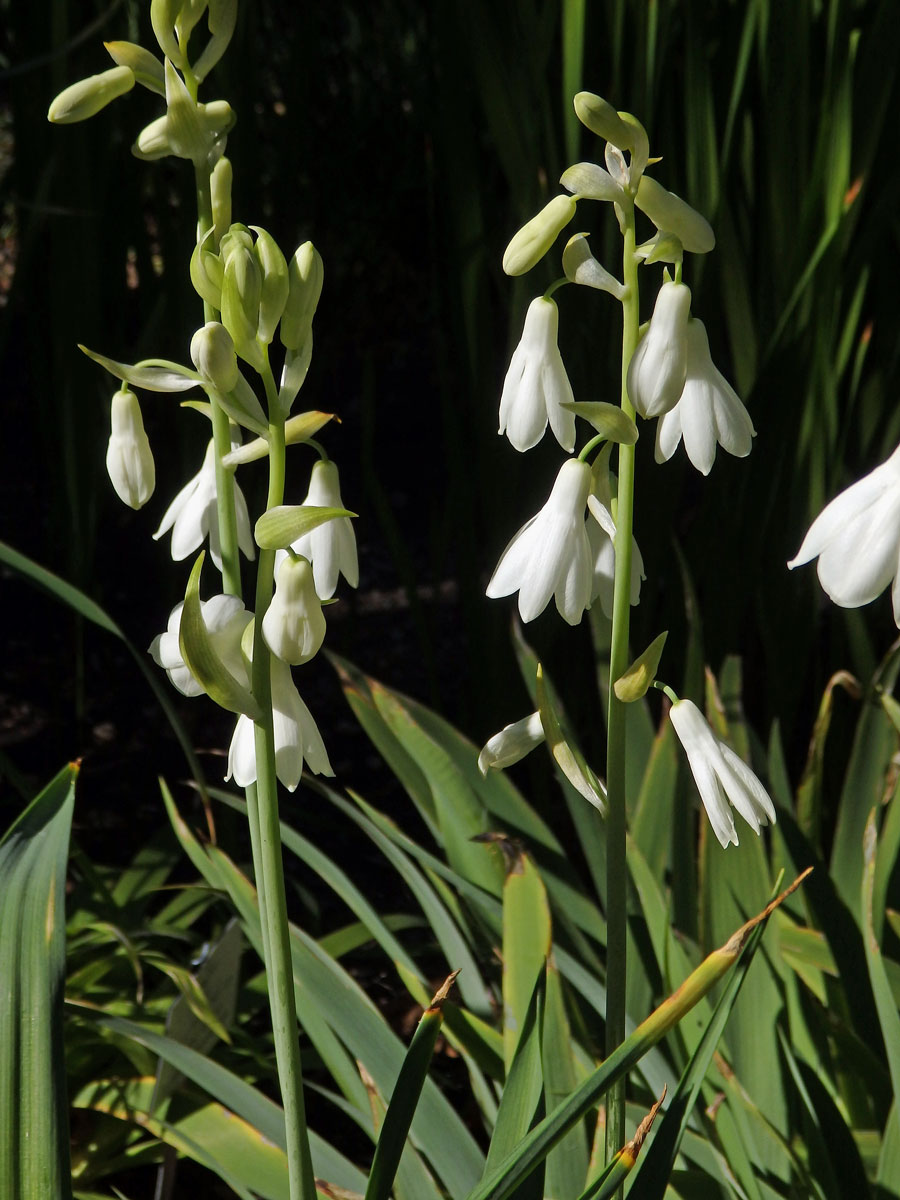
x,y
409,141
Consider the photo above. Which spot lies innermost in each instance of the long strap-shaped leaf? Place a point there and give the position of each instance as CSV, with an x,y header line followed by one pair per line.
x,y
405,1097
34,1139
534,1147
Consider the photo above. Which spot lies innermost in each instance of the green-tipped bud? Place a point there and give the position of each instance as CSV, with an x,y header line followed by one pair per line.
x,y
535,238
670,214
602,119
147,69
220,194
222,16
241,291
153,141
88,96
306,274
162,17
212,352
207,273
275,283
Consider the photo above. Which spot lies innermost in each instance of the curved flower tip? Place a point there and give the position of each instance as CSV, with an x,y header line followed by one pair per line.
x,y
722,778
193,515
856,539
536,385
551,555
297,737
709,412
512,743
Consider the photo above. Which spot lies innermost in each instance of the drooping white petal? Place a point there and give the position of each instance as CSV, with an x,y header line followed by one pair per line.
x,y
698,427
242,753
860,559
746,792
668,434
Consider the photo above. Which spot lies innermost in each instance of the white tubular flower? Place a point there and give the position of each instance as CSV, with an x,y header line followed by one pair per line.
x,y
536,384
193,514
294,624
129,459
722,778
551,555
658,367
297,737
857,540
601,533
511,743
331,548
709,411
225,619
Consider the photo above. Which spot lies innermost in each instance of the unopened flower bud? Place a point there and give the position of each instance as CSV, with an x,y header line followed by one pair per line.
x,y
88,96
306,274
670,213
658,367
275,283
241,292
602,119
129,459
212,351
220,195
207,273
294,625
536,237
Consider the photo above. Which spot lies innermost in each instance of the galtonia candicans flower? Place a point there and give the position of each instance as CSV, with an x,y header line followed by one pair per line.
x,y
658,367
708,413
722,778
856,539
551,555
193,515
536,385
294,624
129,459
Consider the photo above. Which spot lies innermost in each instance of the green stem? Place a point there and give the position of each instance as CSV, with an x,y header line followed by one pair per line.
x,y
615,745
270,876
227,514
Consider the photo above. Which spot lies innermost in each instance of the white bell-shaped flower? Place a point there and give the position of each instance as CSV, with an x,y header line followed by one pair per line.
x,y
723,779
536,385
294,624
511,743
129,459
225,619
708,413
551,555
331,548
297,737
193,515
857,540
658,367
601,531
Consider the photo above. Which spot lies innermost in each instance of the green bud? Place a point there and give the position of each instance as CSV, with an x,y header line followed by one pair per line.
x,y
207,273
220,192
241,292
640,675
147,69
602,119
222,18
670,214
275,283
306,273
217,117
535,238
212,352
236,237
162,18
88,96
153,141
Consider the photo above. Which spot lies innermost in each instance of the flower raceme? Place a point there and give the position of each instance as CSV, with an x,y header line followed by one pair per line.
x,y
193,515
722,778
856,539
551,555
536,385
708,411
129,459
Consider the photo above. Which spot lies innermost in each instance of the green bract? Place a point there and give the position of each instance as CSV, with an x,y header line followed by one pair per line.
x,y
285,523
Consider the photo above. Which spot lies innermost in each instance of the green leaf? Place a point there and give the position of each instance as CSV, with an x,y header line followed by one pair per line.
x,y
522,1096
157,375
200,657
526,944
34,1136
884,1000
283,524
